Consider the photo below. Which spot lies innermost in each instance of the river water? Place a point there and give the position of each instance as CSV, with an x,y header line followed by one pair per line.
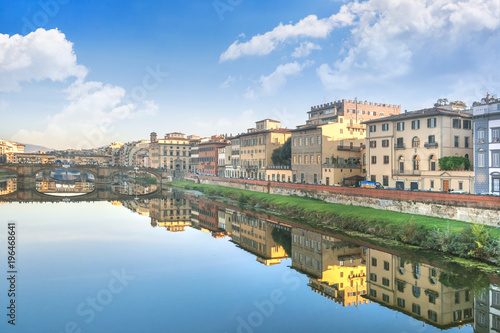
x,y
183,263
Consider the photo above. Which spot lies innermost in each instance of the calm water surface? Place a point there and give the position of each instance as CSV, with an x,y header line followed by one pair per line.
x,y
178,263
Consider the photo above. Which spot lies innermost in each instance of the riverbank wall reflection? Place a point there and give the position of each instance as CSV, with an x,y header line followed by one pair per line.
x,y
348,273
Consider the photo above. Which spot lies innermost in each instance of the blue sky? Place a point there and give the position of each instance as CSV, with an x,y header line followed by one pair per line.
x,y
82,74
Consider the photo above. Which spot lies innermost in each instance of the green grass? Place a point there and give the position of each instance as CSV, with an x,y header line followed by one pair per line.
x,y
308,205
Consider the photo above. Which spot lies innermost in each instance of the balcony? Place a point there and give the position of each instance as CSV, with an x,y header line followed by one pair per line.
x,y
349,148
399,146
341,166
400,172
278,167
431,145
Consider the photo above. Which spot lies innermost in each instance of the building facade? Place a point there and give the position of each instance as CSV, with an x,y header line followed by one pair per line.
x,y
208,160
402,151
487,145
172,152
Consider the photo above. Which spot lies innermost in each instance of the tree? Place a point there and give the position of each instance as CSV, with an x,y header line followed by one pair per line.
x,y
283,154
454,163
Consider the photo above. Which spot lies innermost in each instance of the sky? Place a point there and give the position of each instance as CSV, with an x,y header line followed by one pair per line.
x,y
82,74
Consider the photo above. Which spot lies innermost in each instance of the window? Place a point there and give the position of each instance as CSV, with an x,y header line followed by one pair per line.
x,y
386,265
495,158
432,298
318,159
385,127
294,159
416,291
431,122
415,308
373,277
373,144
401,286
432,315
415,142
318,139
400,143
456,141
294,142
480,136
386,159
495,134
467,124
457,315
374,262
466,142
385,143
385,282
416,162
415,124
385,298
400,126
401,302
373,128
467,313
374,159
432,184
373,293
432,163
480,160
457,123
495,184
385,180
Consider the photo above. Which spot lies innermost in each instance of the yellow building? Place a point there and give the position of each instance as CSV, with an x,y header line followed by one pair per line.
x,y
172,212
254,235
279,173
402,151
256,148
336,269
415,289
333,149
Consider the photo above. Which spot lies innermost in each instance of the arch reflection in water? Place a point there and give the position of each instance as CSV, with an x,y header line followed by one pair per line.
x,y
134,183
8,182
425,287
65,182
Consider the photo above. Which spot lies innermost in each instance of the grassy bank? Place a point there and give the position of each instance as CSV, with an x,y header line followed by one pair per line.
x,y
450,236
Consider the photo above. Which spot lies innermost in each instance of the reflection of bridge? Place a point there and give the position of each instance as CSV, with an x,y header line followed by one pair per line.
x,y
26,181
102,192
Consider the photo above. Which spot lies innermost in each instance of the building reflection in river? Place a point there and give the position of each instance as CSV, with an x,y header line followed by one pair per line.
x,y
347,273
8,185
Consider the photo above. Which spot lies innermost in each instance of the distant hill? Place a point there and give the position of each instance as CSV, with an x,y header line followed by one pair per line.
x,y
34,148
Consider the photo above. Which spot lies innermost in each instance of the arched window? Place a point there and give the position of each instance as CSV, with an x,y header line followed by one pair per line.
x,y
415,142
432,163
401,161
416,291
416,162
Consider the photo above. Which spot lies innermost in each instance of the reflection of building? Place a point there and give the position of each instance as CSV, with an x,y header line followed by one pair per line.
x,y
336,268
255,235
416,290
8,185
172,212
487,310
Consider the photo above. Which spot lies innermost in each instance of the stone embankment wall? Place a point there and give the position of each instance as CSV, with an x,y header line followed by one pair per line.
x,y
462,207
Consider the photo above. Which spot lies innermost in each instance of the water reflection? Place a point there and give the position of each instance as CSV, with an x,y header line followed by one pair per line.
x,y
134,183
64,182
344,272
8,182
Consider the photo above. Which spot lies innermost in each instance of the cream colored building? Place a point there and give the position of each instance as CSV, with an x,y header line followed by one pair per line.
x,y
172,152
257,145
414,288
327,153
402,151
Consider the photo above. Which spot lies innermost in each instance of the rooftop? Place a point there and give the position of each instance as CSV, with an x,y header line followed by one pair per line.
x,y
436,111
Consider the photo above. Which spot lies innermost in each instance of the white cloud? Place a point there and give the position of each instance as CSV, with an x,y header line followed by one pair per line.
x,y
92,108
276,80
42,54
249,94
227,83
264,44
224,125
305,49
387,38
87,119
